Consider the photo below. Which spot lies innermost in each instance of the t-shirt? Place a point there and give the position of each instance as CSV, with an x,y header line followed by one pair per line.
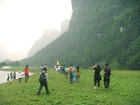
x,y
26,70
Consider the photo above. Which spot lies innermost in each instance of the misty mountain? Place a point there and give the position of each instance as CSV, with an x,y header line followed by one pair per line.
x,y
64,26
48,36
99,31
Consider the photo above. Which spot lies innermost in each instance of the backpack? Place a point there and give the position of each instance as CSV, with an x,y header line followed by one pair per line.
x,y
71,70
107,73
42,78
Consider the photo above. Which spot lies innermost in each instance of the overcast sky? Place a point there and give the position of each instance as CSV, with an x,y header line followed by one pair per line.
x,y
23,21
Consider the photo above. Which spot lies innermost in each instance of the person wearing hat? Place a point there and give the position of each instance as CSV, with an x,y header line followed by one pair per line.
x,y
43,81
97,76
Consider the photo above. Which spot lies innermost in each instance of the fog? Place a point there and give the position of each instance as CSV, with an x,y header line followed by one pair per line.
x,y
22,22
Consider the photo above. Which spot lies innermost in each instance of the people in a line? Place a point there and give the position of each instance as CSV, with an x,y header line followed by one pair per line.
x,y
41,68
43,81
26,72
107,73
78,75
71,69
8,76
66,72
97,76
19,77
74,73
14,75
11,75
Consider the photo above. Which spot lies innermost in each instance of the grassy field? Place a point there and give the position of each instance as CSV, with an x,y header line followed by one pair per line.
x,y
124,90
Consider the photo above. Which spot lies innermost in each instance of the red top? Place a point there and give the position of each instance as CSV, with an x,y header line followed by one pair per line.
x,y
26,70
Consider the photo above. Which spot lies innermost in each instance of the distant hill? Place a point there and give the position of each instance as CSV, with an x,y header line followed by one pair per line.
x,y
99,31
48,36
64,26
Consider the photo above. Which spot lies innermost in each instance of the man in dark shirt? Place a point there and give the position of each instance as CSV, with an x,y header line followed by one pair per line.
x,y
97,76
107,73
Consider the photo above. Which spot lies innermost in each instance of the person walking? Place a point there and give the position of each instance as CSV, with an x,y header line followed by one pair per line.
x,y
97,76
8,76
43,81
107,73
78,75
71,69
26,72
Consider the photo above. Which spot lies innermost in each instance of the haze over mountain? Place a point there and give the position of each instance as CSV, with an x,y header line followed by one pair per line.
x,y
99,31
64,26
48,36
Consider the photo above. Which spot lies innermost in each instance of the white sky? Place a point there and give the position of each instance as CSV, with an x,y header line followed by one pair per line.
x,y
23,21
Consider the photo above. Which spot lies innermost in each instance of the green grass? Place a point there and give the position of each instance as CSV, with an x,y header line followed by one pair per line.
x,y
124,90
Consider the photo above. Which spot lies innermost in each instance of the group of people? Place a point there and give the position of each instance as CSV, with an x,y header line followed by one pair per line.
x,y
106,75
73,71
12,76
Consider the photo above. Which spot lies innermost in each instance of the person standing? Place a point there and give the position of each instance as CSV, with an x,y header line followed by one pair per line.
x,y
78,75
74,73
107,73
14,75
11,75
97,76
26,72
66,72
8,77
19,77
43,81
71,69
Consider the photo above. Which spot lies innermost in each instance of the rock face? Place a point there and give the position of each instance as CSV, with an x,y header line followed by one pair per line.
x,y
94,35
48,36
